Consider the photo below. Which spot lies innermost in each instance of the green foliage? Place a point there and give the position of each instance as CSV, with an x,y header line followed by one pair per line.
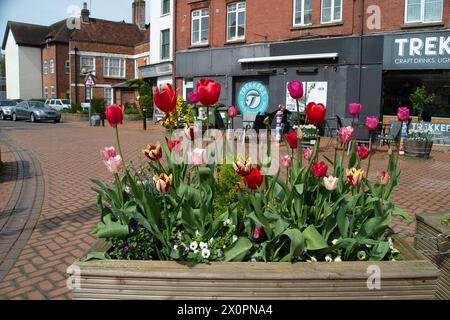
x,y
98,106
420,98
38,99
75,108
139,245
145,94
225,186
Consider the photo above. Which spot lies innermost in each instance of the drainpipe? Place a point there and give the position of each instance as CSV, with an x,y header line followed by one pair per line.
x,y
76,76
361,50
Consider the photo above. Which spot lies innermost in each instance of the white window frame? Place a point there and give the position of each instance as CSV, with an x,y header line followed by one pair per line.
x,y
333,18
236,12
52,66
161,46
199,18
52,92
165,13
302,4
67,66
45,67
122,68
46,92
422,13
111,98
90,58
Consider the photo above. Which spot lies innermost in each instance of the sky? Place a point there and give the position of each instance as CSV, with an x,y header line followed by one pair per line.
x,y
46,12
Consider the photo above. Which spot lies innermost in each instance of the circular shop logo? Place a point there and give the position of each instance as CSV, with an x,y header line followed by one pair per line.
x,y
253,97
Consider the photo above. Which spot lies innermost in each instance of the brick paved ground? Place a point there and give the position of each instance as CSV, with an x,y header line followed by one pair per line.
x,y
68,155
8,172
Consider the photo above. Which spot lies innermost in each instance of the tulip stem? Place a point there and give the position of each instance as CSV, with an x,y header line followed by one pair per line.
x,y
207,117
118,142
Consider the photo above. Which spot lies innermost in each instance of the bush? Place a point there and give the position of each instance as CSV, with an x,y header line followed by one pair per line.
x,y
132,111
98,106
75,107
38,99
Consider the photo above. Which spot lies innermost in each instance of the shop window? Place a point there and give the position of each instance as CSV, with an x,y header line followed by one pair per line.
x,y
165,44
114,67
302,12
200,20
236,21
423,11
331,11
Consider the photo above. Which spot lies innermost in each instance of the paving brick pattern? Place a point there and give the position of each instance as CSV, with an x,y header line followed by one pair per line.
x,y
8,175
68,154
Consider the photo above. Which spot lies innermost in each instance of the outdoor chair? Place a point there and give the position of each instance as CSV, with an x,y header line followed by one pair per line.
x,y
393,134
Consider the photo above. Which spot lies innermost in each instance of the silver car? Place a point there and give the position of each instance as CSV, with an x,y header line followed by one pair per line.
x,y
35,111
6,109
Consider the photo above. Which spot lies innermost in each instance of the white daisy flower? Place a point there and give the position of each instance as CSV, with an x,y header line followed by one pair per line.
x,y
206,253
175,247
334,242
179,235
219,253
328,258
203,245
194,245
235,238
227,223
197,233
313,259
338,259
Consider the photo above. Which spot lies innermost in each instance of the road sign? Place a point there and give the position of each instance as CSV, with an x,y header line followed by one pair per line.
x,y
90,81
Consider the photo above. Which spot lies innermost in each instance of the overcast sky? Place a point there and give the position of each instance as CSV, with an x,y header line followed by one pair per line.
x,y
46,12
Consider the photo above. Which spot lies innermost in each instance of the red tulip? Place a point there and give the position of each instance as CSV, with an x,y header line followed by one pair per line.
x,y
114,114
363,152
208,91
193,97
295,89
153,152
254,179
173,145
166,99
320,169
232,111
258,233
316,113
403,114
292,140
354,108
372,122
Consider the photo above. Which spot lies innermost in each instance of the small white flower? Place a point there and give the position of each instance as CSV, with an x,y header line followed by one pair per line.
x,y
394,251
127,189
338,259
393,259
175,247
227,223
328,258
197,233
211,241
368,245
334,242
235,238
219,253
356,233
391,243
203,245
206,253
224,247
193,245
253,260
313,259
179,235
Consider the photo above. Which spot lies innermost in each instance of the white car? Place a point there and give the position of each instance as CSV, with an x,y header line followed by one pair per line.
x,y
58,104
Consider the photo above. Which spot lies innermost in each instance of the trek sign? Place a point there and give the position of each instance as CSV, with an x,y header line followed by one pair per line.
x,y
429,50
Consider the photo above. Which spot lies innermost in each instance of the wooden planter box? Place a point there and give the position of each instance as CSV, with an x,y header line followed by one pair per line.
x,y
414,278
433,239
421,149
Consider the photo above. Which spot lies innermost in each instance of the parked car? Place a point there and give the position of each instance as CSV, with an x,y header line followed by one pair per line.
x,y
35,111
58,104
6,109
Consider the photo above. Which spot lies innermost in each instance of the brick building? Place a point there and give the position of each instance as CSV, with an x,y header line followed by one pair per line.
x,y
376,52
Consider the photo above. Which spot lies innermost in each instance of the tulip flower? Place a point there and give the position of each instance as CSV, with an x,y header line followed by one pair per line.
x,y
307,153
363,152
232,111
385,178
254,179
208,91
114,164
108,153
258,233
114,114
315,113
354,109
292,139
197,156
193,97
166,99
295,89
153,152
162,182
330,183
286,161
243,166
354,176
173,145
403,114
346,134
372,122
320,169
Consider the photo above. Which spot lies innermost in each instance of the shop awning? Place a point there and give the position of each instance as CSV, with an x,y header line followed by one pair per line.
x,y
332,55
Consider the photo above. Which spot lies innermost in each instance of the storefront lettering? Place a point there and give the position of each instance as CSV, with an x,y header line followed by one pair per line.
x,y
435,127
431,46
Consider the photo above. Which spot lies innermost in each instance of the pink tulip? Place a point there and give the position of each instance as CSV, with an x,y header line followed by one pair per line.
x,y
232,111
197,156
403,114
114,164
372,122
193,97
330,183
286,161
354,108
295,88
346,134
108,153
258,233
307,153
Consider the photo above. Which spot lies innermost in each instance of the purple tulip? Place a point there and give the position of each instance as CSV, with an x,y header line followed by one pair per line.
x,y
295,88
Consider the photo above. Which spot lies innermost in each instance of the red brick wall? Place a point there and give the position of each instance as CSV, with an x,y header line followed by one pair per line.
x,y
63,79
49,79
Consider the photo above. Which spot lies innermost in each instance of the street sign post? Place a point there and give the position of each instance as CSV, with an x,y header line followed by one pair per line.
x,y
90,82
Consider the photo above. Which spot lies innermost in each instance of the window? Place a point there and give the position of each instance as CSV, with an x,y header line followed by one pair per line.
x,y
423,11
53,93
87,64
114,67
52,66
67,67
109,96
45,67
302,12
331,11
236,21
165,7
165,44
46,92
199,33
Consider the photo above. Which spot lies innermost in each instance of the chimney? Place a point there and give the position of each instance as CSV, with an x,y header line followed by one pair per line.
x,y
85,13
139,13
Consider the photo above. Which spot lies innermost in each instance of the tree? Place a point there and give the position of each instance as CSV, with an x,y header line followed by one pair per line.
x,y
145,94
419,99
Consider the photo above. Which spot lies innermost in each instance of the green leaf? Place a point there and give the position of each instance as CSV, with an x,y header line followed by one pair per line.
x,y
379,251
297,242
95,256
111,229
400,212
239,250
342,220
299,188
262,221
313,239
